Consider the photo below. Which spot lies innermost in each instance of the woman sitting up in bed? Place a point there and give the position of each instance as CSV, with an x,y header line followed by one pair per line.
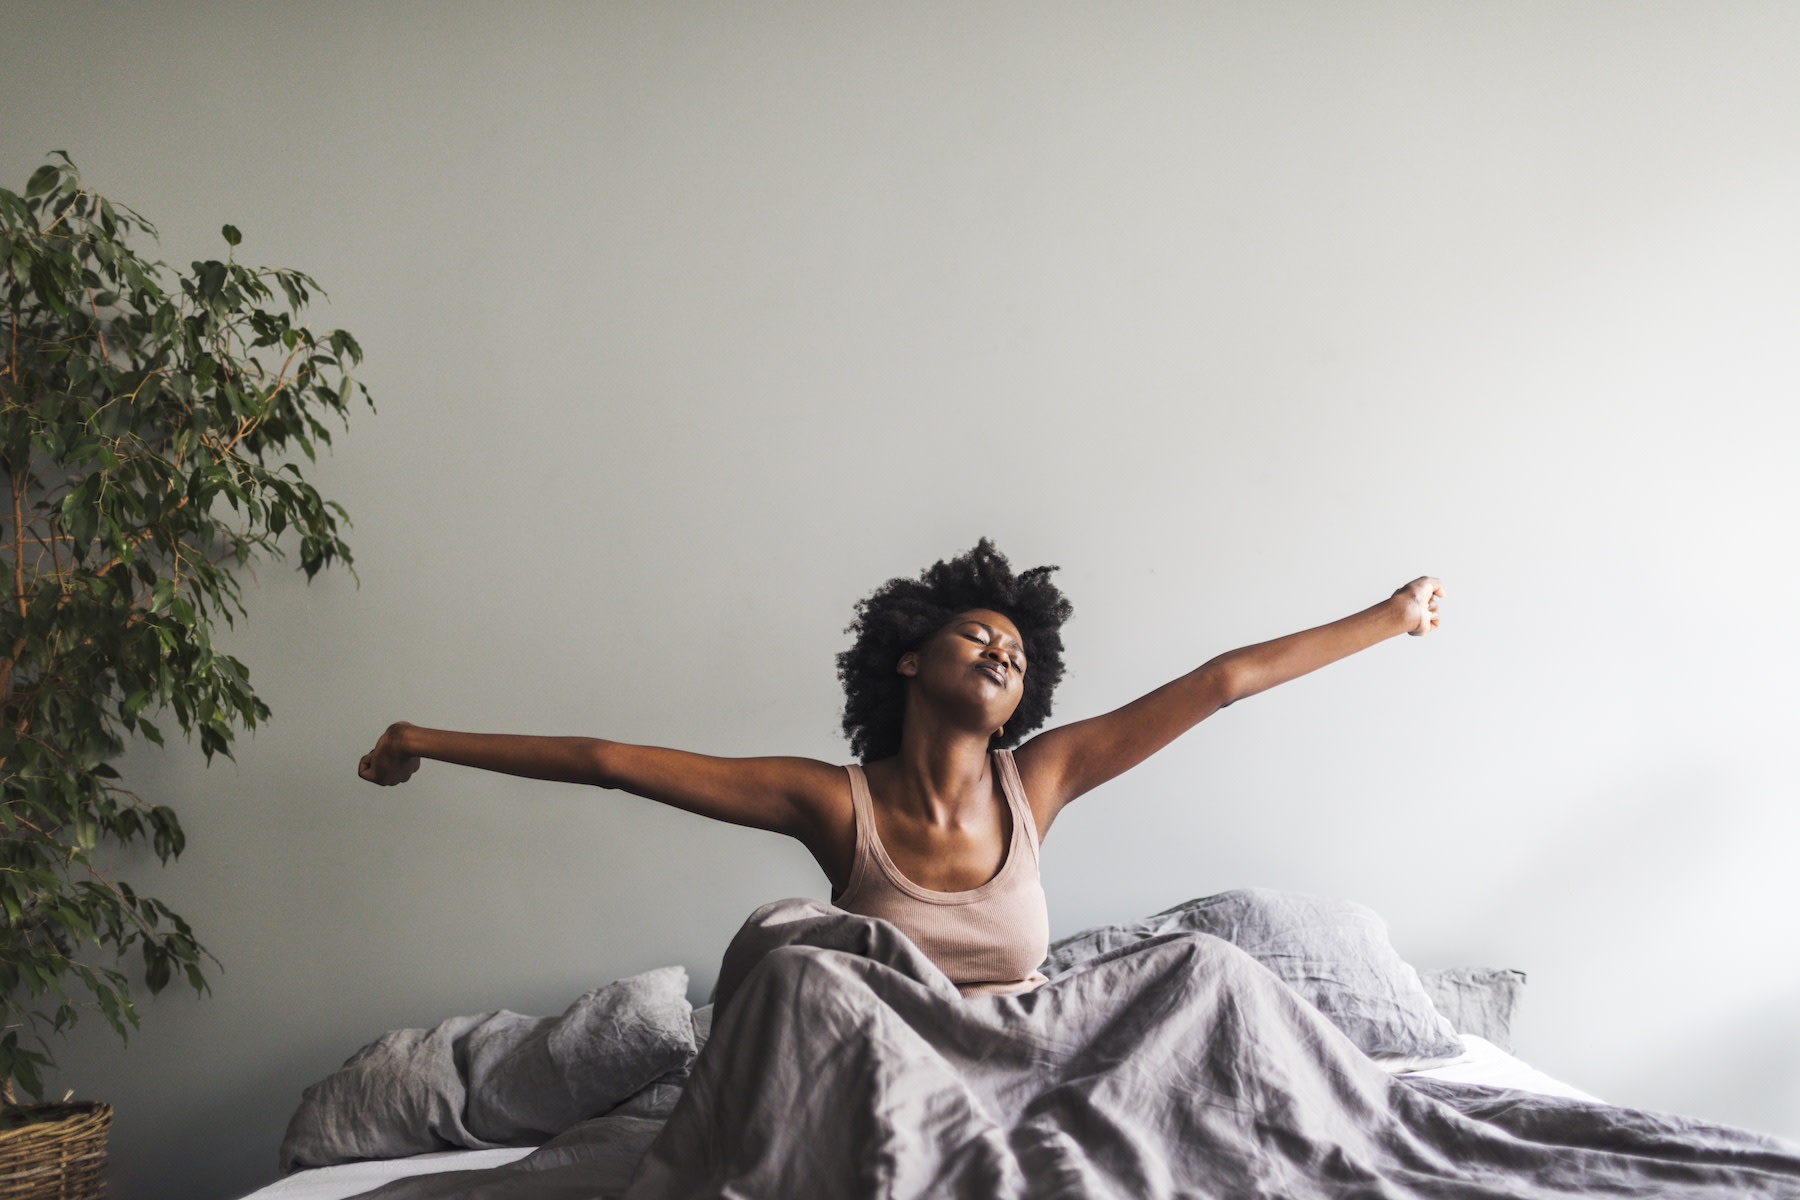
x,y
937,830
905,1044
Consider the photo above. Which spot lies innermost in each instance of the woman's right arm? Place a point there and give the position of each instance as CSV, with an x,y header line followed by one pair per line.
x,y
794,796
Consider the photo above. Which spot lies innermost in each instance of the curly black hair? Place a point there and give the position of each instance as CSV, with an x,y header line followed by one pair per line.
x,y
903,614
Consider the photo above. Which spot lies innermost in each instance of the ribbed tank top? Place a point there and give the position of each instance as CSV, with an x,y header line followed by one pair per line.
x,y
989,940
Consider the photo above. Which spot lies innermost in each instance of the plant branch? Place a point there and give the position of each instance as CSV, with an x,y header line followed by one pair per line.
x,y
18,498
18,648
99,330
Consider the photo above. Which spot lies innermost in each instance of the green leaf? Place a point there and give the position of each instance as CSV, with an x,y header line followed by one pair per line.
x,y
156,969
232,236
42,180
212,278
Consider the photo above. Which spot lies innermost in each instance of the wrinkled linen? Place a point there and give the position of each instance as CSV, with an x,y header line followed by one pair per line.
x,y
499,1078
1334,953
1477,1000
843,1063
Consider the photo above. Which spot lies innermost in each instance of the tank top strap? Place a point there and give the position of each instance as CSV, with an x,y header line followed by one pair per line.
x,y
860,802
862,808
1014,788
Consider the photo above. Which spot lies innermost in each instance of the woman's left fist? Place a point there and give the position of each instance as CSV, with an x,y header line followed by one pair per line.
x,y
1419,601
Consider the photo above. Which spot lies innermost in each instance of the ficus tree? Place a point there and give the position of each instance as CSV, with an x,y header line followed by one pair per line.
x,y
149,420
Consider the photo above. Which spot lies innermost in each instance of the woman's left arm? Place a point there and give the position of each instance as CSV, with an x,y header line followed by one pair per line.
x,y
1063,763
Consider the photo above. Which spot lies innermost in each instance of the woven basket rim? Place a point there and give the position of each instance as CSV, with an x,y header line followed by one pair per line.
x,y
70,1119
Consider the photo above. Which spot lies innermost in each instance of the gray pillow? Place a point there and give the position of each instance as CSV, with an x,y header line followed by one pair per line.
x,y
401,1094
543,1075
657,1099
1477,1000
495,1078
1334,953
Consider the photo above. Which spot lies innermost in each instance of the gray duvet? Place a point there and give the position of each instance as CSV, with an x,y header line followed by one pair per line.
x,y
842,1063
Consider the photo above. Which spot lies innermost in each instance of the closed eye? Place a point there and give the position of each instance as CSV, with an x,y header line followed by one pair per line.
x,y
981,637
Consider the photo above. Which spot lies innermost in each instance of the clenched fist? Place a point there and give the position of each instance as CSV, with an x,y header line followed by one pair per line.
x,y
1420,600
387,764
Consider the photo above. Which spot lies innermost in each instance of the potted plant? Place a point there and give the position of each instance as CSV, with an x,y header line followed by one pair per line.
x,y
148,420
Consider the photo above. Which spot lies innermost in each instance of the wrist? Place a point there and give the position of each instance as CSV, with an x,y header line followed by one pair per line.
x,y
1397,612
401,737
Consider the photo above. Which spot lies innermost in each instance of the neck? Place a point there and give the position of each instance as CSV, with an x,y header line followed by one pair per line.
x,y
941,771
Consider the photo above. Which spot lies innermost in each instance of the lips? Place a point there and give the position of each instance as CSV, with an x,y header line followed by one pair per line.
x,y
996,673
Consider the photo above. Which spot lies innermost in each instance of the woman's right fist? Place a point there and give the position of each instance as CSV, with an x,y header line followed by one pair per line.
x,y
388,764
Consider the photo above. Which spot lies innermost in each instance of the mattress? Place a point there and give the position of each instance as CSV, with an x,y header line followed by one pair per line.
x,y
1481,1062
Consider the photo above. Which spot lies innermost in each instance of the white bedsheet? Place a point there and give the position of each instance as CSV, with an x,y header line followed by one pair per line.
x,y
1484,1062
351,1179
1480,1062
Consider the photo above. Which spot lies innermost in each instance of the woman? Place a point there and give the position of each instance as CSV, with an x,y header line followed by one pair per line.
x,y
937,830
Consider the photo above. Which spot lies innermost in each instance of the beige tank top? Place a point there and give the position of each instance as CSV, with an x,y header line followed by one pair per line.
x,y
989,940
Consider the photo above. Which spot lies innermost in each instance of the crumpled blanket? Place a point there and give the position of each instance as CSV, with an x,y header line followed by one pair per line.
x,y
843,1063
500,1078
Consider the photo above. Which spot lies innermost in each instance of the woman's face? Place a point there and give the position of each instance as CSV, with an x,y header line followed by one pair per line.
x,y
975,663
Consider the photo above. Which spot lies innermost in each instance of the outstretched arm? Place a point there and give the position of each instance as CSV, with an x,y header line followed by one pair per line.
x,y
1411,609
1063,763
795,796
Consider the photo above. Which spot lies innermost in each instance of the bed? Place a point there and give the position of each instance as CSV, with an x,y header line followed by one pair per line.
x,y
1481,1062
1250,1043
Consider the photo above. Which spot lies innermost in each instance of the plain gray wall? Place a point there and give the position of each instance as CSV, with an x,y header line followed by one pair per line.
x,y
691,324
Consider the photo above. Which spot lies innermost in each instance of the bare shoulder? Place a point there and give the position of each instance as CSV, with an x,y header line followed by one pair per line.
x,y
816,783
821,794
1041,775
819,790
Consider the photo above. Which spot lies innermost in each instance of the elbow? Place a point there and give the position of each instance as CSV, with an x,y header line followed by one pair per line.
x,y
602,763
1227,682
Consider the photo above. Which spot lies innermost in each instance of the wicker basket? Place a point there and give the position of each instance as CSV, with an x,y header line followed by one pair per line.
x,y
59,1156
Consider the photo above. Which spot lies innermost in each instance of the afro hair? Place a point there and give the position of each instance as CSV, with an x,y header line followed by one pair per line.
x,y
903,614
